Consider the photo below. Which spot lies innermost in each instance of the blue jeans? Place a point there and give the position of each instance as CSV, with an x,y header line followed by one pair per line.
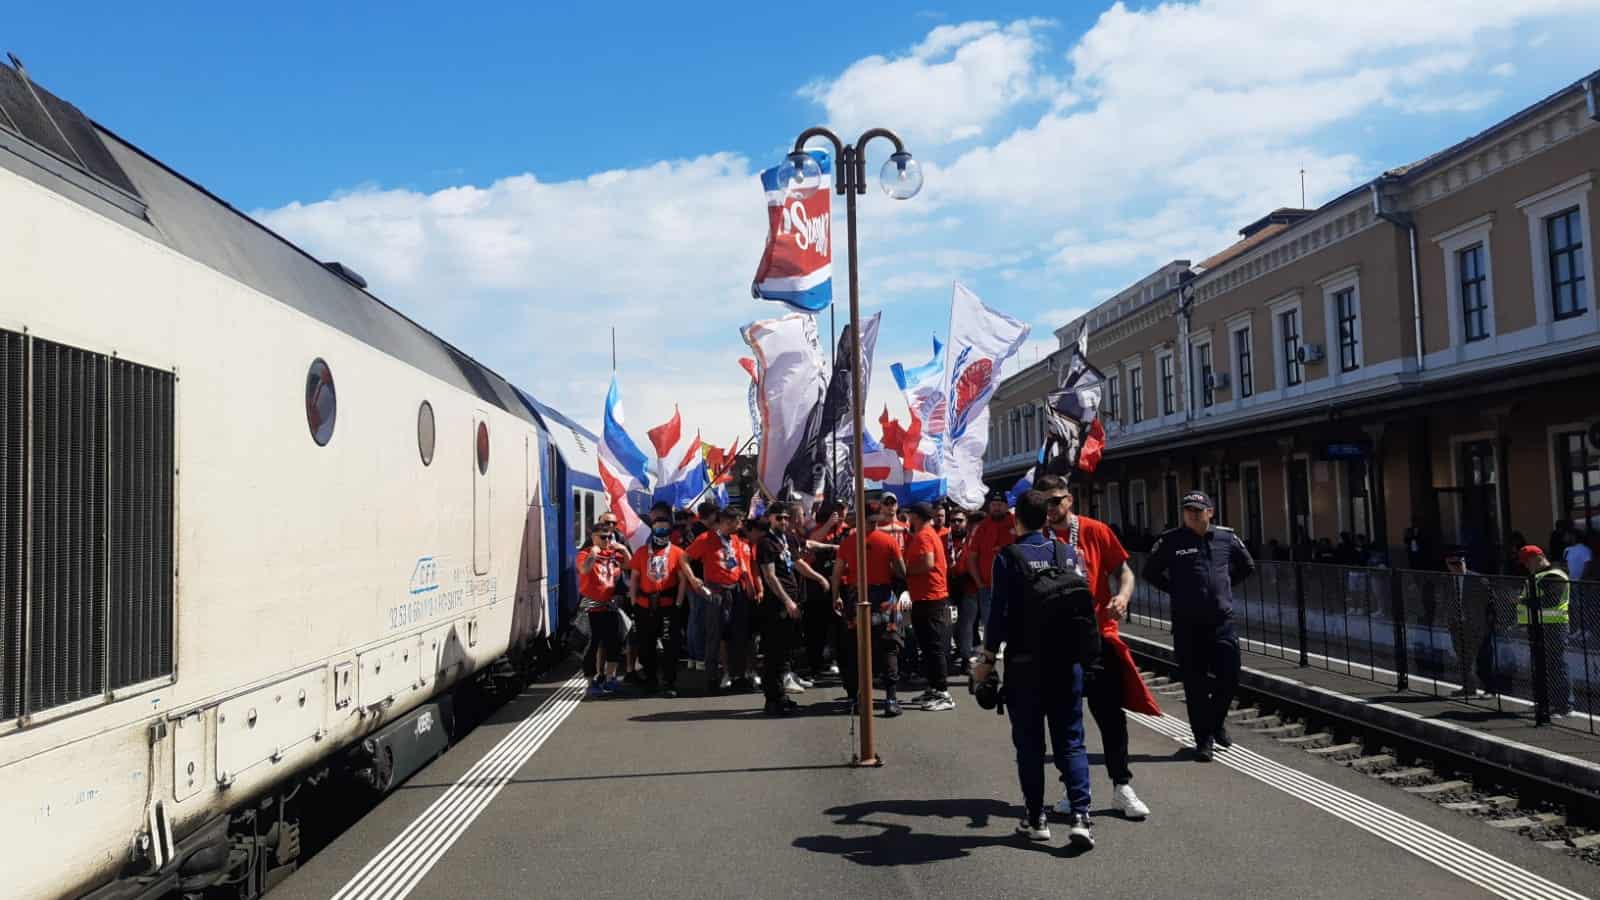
x,y
1058,704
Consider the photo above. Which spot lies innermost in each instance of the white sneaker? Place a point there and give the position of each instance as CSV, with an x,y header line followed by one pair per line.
x,y
926,696
1125,801
755,681
833,669
727,681
803,682
941,701
1079,834
1036,829
791,685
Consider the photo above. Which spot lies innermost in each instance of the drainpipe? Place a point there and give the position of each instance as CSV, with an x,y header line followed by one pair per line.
x,y
1382,207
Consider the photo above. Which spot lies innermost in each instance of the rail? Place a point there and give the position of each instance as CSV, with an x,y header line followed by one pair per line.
x,y
1455,636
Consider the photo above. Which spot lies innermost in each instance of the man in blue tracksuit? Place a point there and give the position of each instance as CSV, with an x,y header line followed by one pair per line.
x,y
1040,688
1197,565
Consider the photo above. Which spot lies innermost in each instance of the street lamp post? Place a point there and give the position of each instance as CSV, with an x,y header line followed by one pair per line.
x,y
901,179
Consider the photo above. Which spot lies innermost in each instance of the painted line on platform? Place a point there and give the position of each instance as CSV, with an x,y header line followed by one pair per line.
x,y
396,869
1455,856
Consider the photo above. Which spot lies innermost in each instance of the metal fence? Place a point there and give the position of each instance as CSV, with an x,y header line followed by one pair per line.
x,y
1455,636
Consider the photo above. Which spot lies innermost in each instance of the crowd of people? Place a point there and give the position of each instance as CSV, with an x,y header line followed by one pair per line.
x,y
769,602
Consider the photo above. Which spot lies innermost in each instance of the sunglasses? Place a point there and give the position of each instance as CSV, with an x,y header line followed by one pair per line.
x,y
1060,497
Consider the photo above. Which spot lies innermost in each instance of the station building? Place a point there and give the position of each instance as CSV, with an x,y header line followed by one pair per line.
x,y
1421,351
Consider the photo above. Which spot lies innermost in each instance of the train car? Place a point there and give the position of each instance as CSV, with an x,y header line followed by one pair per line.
x,y
576,480
255,524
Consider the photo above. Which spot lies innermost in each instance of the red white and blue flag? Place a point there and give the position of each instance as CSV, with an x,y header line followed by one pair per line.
x,y
623,468
981,340
797,267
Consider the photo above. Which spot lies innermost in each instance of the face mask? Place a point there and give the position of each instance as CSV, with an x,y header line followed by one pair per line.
x,y
660,531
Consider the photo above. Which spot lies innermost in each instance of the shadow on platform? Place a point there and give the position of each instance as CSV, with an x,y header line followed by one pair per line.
x,y
897,844
557,779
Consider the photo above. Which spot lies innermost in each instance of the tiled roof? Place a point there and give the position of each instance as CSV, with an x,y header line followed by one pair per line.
x,y
1243,246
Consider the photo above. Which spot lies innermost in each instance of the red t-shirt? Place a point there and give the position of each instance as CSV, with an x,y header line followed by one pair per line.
x,y
986,542
881,552
658,572
897,530
929,585
721,564
600,581
1102,554
747,565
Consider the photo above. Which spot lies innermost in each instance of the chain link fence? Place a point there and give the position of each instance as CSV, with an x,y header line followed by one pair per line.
x,y
1495,641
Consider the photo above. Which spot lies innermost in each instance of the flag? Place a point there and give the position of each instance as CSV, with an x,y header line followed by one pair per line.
x,y
981,340
753,399
882,464
622,468
792,379
680,469
1072,414
1023,485
797,266
838,418
921,387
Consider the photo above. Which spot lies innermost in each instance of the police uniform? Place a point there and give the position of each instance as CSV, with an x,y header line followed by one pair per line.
x,y
1040,693
1198,573
1549,603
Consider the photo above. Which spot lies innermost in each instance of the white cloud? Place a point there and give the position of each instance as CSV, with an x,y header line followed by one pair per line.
x,y
952,86
1503,70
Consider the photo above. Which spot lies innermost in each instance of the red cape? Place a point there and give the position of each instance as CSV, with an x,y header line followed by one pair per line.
x,y
1136,696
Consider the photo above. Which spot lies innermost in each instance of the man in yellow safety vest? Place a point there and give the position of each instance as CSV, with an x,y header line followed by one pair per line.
x,y
1547,598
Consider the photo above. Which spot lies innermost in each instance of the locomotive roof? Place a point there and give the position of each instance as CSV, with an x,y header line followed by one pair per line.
x,y
166,207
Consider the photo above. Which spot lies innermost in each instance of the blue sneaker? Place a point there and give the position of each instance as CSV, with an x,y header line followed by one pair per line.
x,y
611,686
595,691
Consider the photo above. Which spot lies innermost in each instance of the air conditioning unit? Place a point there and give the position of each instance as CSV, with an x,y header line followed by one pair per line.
x,y
1217,380
1310,353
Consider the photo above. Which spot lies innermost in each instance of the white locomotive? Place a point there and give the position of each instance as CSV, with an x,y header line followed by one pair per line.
x,y
252,521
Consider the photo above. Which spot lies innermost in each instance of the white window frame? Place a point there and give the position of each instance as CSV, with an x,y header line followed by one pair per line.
x,y
1135,370
1451,243
1138,496
1197,400
1558,491
1546,203
1280,369
1162,413
1236,325
1333,355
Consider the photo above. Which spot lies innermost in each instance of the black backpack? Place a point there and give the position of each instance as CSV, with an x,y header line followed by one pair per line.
x,y
1059,604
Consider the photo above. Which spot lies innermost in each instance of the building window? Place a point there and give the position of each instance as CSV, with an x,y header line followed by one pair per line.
x,y
1252,502
425,432
1243,362
1349,322
1138,507
1168,401
1289,323
1580,480
1203,360
321,405
1564,240
1136,393
1474,305
1114,395
1171,492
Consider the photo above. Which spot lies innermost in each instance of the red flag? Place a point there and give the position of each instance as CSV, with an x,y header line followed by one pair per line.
x,y
665,437
1094,444
910,448
749,367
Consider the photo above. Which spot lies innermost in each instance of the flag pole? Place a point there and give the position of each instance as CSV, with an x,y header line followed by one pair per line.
x,y
833,436
613,349
712,482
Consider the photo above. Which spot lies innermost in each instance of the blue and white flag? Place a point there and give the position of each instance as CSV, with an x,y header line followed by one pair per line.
x,y
623,468
921,387
981,340
797,266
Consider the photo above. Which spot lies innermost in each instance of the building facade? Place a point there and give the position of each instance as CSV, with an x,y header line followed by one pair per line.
x,y
1419,353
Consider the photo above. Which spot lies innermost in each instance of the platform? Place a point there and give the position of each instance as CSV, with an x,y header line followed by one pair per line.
x,y
705,797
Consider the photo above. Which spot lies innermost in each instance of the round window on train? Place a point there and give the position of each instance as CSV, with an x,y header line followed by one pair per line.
x,y
483,448
321,405
425,432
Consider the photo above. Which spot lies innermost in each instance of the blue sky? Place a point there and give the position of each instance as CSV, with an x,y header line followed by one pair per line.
x,y
523,179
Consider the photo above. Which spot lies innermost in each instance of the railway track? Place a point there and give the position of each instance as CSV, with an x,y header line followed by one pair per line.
x,y
1564,818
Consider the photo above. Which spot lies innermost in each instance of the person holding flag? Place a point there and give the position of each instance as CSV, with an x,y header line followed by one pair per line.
x,y
661,580
623,468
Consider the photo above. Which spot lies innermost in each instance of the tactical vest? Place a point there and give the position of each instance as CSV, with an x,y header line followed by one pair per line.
x,y
1554,614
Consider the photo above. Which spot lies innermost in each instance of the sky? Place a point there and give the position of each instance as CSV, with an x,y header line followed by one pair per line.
x,y
523,179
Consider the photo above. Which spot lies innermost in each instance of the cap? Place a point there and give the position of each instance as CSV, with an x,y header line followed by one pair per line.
x,y
1455,551
995,494
1528,552
924,510
1196,500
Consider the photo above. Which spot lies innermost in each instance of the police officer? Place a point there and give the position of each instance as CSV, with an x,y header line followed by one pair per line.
x,y
1043,684
1197,565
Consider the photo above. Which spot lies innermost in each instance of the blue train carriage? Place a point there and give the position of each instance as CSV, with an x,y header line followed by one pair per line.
x,y
573,476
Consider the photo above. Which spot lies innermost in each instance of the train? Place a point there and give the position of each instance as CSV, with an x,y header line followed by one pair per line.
x,y
256,525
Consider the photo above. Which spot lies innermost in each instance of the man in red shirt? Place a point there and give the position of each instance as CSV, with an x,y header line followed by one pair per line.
x,y
930,605
989,535
723,566
1115,682
963,591
600,568
660,584
884,564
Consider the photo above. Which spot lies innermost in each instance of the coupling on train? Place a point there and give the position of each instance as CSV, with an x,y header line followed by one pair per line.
x,y
256,526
